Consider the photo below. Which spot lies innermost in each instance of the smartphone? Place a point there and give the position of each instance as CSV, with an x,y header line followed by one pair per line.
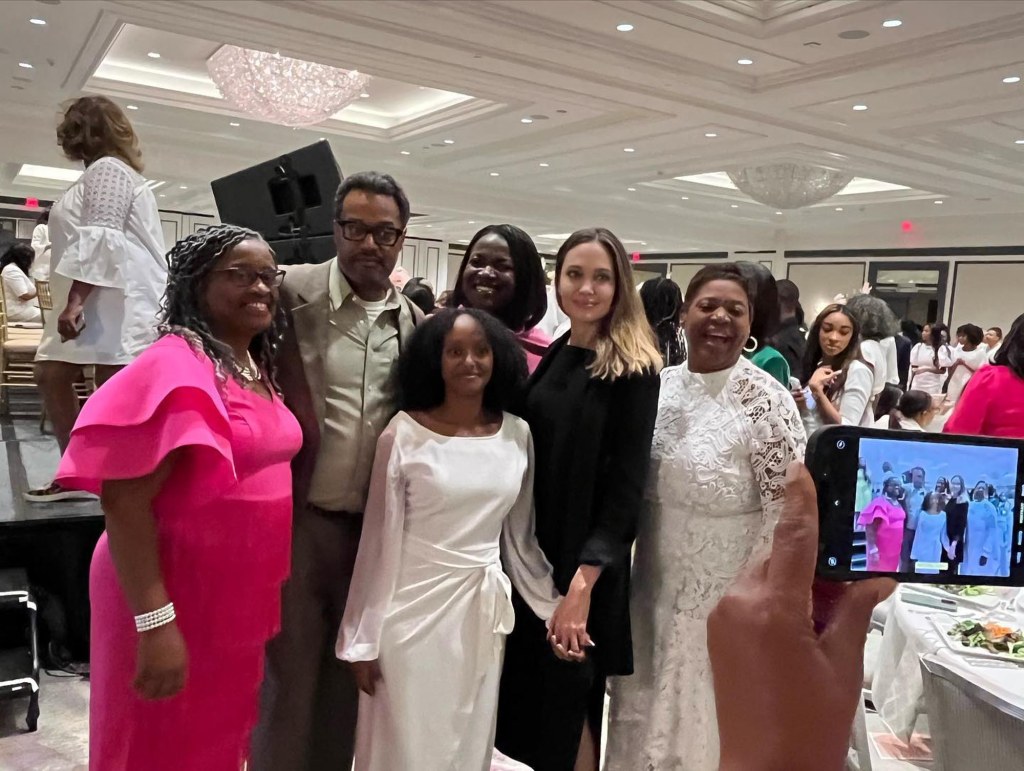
x,y
918,507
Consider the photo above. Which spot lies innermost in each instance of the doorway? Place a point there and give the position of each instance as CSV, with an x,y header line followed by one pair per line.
x,y
914,290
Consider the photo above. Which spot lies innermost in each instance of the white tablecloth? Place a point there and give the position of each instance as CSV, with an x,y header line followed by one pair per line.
x,y
897,687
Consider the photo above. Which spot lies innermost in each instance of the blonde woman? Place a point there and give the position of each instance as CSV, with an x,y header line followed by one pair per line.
x,y
591,406
726,431
108,266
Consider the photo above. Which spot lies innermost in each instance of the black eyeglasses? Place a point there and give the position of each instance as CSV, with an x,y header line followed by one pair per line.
x,y
246,277
383,235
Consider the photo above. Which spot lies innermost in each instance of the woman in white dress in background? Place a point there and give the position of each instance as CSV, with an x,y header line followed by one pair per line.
x,y
108,271
19,290
41,246
969,357
725,434
450,501
930,360
983,538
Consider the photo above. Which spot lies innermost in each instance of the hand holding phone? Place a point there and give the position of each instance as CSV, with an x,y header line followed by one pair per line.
x,y
70,323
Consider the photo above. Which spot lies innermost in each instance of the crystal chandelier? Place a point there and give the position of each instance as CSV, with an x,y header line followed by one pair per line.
x,y
789,185
278,89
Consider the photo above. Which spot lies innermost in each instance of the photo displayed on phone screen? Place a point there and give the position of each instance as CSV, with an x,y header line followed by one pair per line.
x,y
934,509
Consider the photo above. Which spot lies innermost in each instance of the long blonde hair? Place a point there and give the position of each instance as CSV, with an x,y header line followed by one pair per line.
x,y
94,127
625,343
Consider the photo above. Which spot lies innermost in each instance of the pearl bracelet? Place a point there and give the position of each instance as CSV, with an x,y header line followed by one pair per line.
x,y
155,618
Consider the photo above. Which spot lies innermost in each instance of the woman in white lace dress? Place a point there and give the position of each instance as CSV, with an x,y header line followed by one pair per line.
x,y
725,434
108,270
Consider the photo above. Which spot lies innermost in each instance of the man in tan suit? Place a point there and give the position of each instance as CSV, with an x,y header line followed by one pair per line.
x,y
347,327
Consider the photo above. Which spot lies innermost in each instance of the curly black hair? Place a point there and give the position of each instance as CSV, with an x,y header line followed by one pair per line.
x,y
529,301
420,384
190,262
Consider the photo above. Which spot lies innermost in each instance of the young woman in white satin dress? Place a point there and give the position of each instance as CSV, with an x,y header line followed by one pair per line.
x,y
450,502
725,434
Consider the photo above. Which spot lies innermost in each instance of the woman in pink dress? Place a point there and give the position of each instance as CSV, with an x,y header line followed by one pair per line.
x,y
993,401
189,448
502,274
882,520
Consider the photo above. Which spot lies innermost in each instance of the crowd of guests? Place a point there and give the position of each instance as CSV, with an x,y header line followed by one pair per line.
x,y
343,523
948,529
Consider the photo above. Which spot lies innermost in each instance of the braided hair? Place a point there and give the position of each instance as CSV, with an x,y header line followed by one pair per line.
x,y
190,263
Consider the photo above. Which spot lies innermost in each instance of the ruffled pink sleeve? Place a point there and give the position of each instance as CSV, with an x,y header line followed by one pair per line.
x,y
871,512
165,400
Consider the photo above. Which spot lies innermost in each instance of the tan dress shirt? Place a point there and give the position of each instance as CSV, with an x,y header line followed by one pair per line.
x,y
361,357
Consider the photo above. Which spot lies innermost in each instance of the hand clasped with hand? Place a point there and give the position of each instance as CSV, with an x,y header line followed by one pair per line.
x,y
786,692
567,629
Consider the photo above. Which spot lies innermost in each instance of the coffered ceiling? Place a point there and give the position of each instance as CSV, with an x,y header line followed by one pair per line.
x,y
553,115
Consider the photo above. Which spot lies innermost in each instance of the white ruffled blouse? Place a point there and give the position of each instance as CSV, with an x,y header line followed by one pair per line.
x,y
106,231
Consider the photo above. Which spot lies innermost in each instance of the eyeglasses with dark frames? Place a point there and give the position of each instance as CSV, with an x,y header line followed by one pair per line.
x,y
383,234
246,277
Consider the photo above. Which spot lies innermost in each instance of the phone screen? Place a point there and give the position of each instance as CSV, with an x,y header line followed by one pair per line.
x,y
921,508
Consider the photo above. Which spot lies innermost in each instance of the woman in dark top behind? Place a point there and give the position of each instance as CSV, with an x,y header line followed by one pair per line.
x,y
663,304
956,522
591,462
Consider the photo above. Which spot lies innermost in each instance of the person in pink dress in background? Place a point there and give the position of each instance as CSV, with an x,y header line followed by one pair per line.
x,y
502,274
992,404
882,520
189,448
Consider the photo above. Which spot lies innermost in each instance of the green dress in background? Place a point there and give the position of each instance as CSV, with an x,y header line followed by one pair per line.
x,y
772,362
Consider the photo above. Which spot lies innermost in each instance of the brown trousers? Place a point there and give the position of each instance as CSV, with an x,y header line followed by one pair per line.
x,y
309,700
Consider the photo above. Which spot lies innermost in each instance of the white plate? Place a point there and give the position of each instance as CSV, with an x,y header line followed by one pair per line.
x,y
988,601
943,624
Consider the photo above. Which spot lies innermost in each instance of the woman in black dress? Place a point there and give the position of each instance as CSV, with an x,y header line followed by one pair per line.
x,y
956,522
591,406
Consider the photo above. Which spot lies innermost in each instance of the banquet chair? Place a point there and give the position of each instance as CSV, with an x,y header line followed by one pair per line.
x,y
970,726
18,344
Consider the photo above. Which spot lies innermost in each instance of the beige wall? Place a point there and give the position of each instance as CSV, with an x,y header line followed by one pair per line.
x,y
987,294
820,282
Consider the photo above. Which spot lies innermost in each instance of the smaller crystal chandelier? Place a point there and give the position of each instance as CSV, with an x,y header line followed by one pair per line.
x,y
282,90
789,185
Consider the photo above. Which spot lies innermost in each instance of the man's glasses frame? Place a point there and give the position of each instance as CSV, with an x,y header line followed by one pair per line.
x,y
383,234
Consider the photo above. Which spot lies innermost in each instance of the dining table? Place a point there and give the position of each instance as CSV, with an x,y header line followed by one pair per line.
x,y
917,625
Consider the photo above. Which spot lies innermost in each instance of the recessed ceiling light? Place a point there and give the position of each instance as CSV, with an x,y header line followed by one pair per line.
x,y
711,135
839,208
526,120
364,95
131,106
153,55
495,174
544,165
430,226
744,61
237,124
860,107
1011,79
625,28
162,195
628,150
734,206
449,141
631,189
1018,141
25,65
937,203
472,222
405,152
183,187
890,23
40,22
778,212
684,198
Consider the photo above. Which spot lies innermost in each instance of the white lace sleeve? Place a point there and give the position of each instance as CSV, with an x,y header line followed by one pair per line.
x,y
778,440
109,191
96,250
379,557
